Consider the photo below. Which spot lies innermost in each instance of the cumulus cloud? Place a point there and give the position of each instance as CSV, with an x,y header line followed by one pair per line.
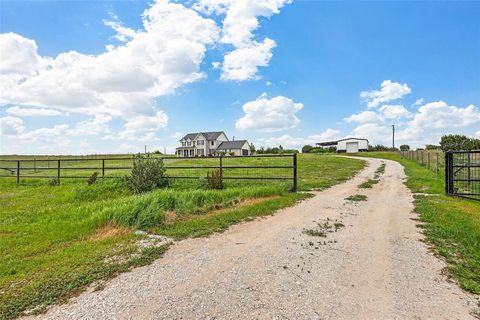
x,y
268,115
394,112
389,91
11,126
441,115
240,22
32,112
364,117
242,64
124,80
425,125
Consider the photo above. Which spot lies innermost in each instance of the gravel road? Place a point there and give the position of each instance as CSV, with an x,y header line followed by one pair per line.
x,y
373,267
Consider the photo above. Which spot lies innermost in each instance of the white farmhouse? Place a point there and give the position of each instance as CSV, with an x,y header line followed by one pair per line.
x,y
202,144
348,145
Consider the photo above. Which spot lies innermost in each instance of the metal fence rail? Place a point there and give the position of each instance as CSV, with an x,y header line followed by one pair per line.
x,y
253,167
462,174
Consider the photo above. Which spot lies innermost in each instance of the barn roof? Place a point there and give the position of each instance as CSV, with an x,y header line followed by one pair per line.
x,y
332,143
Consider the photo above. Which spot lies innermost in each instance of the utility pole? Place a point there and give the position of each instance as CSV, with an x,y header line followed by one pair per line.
x,y
393,137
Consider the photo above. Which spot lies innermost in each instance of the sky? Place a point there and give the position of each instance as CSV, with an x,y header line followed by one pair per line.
x,y
84,77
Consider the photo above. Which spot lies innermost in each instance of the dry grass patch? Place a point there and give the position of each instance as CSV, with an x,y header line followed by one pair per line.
x,y
110,231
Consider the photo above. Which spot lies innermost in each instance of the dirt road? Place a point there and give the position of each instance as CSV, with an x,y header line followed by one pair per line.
x,y
373,267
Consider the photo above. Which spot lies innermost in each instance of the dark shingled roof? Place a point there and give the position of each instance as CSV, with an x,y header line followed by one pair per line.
x,y
237,144
212,135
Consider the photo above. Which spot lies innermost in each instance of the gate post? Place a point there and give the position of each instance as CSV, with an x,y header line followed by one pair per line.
x,y
18,172
295,177
449,173
221,166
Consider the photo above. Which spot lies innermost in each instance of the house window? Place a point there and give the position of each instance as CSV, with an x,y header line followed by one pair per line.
x,y
200,152
212,143
200,142
189,144
183,143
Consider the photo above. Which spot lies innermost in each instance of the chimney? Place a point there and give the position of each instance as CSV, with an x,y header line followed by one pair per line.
x,y
233,138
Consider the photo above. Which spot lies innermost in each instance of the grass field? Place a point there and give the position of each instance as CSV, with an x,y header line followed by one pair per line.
x,y
451,224
55,240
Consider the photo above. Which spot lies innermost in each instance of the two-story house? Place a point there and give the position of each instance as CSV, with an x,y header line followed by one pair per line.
x,y
211,143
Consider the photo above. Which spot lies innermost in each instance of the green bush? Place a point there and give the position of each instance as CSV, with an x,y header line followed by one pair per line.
x,y
147,174
93,178
54,182
214,181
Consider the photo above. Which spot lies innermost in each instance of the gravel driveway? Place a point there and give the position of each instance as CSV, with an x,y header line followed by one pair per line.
x,y
375,266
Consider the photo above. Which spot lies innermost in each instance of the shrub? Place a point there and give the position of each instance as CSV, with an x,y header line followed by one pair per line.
x,y
54,182
147,174
93,178
215,181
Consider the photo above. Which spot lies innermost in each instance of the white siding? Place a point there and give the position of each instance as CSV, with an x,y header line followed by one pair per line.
x,y
342,145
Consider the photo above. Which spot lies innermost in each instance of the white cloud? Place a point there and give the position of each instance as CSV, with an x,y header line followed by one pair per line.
x,y
178,135
440,115
242,64
287,141
32,112
389,91
95,126
240,22
123,34
477,134
11,126
364,117
275,114
394,112
121,82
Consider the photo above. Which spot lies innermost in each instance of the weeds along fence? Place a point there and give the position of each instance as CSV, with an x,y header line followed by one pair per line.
x,y
432,159
252,168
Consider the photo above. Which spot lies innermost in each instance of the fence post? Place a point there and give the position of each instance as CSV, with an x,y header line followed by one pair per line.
x,y
103,168
18,172
428,156
438,167
449,173
295,177
221,166
58,170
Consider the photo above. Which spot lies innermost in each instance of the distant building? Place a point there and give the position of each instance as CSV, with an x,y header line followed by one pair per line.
x,y
203,144
348,145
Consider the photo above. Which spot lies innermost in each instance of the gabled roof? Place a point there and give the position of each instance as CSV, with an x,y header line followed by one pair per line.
x,y
331,143
212,135
237,144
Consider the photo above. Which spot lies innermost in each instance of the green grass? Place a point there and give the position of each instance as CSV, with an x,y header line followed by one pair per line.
x,y
451,224
55,240
357,198
368,184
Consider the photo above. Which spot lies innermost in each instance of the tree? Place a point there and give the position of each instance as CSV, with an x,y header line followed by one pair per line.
x,y
307,148
404,147
252,148
457,142
432,147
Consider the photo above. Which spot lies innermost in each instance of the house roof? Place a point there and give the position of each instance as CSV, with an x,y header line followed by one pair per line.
x,y
212,135
332,143
237,144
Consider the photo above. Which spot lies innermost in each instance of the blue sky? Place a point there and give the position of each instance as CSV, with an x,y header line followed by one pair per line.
x,y
295,77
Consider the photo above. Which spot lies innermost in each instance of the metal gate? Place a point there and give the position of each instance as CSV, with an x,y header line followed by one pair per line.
x,y
462,174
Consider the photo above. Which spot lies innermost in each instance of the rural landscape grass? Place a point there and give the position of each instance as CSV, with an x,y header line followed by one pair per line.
x,y
451,224
55,240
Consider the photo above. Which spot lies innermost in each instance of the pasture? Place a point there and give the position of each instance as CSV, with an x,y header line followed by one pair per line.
x,y
56,240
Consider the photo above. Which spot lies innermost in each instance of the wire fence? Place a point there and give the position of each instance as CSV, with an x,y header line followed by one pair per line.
x,y
432,159
254,168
